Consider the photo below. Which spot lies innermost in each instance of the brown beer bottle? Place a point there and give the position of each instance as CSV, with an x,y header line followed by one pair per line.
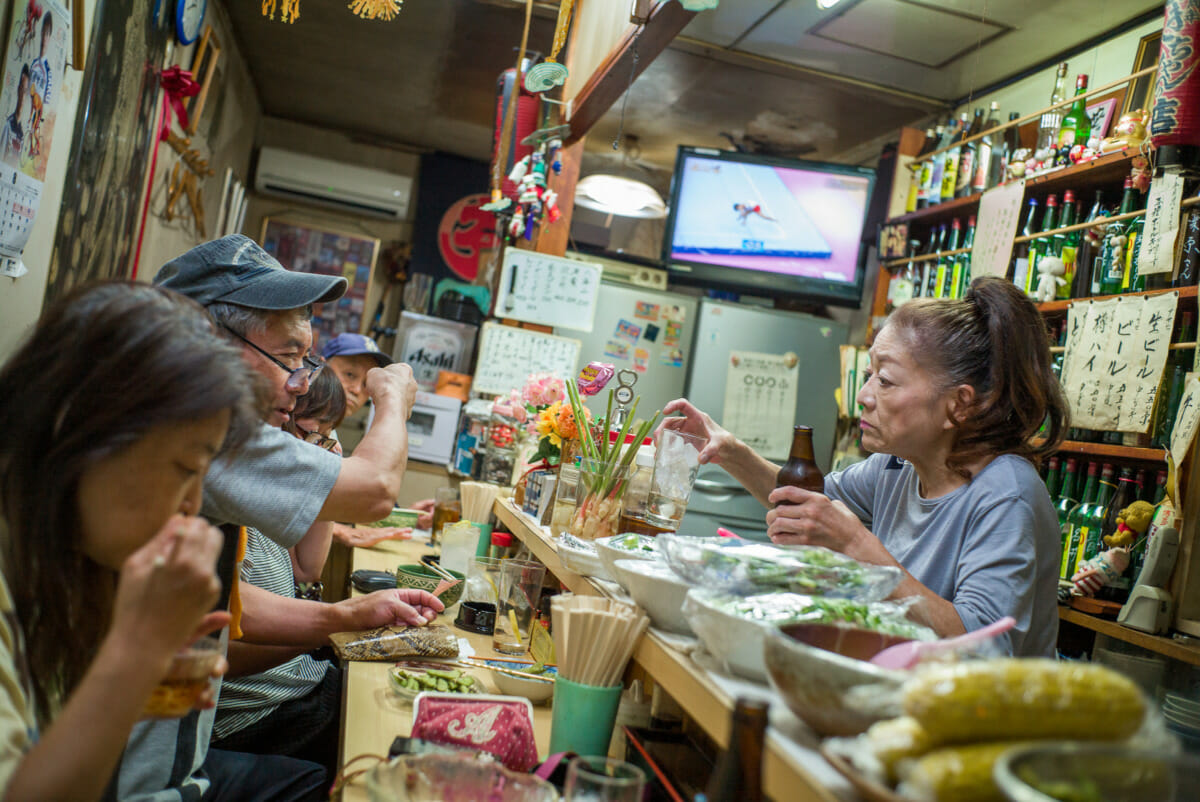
x,y
801,470
737,777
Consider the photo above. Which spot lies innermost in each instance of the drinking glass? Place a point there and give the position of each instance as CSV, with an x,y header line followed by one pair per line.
x,y
483,580
459,541
676,463
188,677
602,779
516,609
598,509
446,509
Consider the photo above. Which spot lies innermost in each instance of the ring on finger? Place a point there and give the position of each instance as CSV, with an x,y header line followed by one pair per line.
x,y
160,561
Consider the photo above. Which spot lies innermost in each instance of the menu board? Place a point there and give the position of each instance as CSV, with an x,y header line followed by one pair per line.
x,y
999,209
548,290
507,355
1116,354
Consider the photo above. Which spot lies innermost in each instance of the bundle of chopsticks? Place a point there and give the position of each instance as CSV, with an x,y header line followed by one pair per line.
x,y
594,638
477,501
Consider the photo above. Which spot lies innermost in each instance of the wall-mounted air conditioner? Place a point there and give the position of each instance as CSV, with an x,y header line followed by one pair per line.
x,y
346,187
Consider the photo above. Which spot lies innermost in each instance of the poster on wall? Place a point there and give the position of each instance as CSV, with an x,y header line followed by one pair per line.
x,y
110,147
29,92
334,253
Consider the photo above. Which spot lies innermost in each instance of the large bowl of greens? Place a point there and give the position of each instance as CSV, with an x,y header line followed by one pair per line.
x,y
741,567
733,628
628,546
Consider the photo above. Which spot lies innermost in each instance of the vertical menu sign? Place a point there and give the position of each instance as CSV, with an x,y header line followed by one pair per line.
x,y
548,290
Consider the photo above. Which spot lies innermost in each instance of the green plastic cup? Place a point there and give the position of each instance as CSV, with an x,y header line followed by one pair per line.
x,y
485,539
583,717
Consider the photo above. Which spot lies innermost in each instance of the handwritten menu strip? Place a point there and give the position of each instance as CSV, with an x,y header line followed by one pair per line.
x,y
1186,420
760,400
999,209
1156,253
549,290
507,355
1115,360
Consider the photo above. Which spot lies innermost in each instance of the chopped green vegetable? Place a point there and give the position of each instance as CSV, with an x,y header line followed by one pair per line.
x,y
794,608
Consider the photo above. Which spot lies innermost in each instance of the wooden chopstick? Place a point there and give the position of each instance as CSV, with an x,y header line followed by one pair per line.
x,y
469,662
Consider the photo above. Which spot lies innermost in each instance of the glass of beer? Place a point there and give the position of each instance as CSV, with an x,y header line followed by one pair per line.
x,y
447,509
189,674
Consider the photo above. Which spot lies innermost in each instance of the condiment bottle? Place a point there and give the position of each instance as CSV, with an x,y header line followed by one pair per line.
x,y
801,469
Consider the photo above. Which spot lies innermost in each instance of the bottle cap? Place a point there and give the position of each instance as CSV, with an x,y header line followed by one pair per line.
x,y
502,539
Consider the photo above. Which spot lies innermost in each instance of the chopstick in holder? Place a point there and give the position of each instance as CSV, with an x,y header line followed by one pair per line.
x,y
469,662
442,572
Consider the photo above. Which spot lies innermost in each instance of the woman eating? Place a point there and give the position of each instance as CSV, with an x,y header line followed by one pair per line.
x,y
113,409
951,493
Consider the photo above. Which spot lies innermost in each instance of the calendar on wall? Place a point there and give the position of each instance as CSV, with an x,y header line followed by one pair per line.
x,y
507,355
760,400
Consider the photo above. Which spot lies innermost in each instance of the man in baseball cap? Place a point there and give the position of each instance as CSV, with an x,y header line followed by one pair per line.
x,y
351,356
281,486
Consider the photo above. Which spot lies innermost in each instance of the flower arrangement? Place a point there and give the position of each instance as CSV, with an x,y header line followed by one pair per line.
x,y
554,425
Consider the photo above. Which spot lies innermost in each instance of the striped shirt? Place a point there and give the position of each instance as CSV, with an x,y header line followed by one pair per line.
x,y
245,700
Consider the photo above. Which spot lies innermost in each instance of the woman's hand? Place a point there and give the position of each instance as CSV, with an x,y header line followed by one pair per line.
x,y
805,518
364,537
392,607
720,443
425,507
167,590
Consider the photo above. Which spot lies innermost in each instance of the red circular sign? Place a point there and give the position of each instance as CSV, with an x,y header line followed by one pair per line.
x,y
465,233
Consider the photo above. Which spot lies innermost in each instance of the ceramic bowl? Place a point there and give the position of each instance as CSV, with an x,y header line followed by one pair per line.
x,y
453,778
822,673
734,641
1114,773
625,547
421,577
658,591
580,556
533,689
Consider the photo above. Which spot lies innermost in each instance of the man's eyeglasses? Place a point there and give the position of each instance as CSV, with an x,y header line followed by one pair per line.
x,y
298,378
317,439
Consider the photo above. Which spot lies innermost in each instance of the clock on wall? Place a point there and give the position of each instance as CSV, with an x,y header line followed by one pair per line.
x,y
189,16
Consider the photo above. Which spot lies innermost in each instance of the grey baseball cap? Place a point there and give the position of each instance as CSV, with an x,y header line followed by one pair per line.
x,y
236,270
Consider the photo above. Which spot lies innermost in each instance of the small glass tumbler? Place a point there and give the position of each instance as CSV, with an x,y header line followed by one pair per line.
x,y
516,610
602,779
676,463
187,678
446,509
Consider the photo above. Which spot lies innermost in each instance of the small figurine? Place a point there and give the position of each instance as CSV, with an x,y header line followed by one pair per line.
x,y
1050,277
1129,133
1140,173
1103,569
1017,164
1132,523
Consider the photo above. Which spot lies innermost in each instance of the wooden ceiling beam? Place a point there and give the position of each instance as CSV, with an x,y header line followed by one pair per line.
x,y
610,80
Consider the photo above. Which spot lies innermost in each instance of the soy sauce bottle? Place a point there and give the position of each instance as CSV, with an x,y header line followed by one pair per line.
x,y
801,469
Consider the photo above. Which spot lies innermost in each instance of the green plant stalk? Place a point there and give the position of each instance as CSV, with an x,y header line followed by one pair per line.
x,y
607,424
585,431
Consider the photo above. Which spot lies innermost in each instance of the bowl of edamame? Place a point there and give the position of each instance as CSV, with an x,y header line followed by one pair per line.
x,y
408,682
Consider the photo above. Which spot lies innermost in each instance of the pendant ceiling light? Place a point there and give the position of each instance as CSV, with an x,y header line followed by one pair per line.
x,y
623,197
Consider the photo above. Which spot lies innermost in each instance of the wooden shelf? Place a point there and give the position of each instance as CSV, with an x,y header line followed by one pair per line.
x,y
1061,349
1109,450
932,215
1062,306
1168,647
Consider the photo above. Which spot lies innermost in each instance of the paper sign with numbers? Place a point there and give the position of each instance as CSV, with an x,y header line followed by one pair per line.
x,y
760,400
1186,419
1115,360
549,290
507,355
998,212
1156,253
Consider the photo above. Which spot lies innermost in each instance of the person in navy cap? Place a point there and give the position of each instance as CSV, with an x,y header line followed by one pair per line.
x,y
282,487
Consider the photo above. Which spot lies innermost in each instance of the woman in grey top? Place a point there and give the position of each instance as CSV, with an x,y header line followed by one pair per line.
x,y
951,494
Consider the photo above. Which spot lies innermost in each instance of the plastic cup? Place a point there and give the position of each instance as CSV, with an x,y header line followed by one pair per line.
x,y
483,580
446,509
187,678
676,463
459,542
516,609
603,779
583,717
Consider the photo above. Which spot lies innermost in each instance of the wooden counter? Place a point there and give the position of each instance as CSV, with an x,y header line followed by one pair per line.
x,y
371,714
793,770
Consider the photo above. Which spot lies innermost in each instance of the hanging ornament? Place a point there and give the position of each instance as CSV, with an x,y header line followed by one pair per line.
x,y
288,12
376,9
549,74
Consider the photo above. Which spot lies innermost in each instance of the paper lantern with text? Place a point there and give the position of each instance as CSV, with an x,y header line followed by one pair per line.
x,y
1175,111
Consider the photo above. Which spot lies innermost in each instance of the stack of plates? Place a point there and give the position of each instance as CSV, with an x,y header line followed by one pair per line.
x,y
1183,718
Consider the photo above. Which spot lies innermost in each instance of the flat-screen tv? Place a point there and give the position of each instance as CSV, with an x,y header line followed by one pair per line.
x,y
759,224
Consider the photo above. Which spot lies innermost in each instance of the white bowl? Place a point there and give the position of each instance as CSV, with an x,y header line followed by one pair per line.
x,y
733,640
533,689
658,591
609,553
578,557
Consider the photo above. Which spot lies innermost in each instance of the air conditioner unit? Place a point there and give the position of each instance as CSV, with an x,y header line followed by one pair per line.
x,y
346,187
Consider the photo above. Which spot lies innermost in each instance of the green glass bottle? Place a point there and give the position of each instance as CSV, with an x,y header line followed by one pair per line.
x,y
1068,500
1054,477
945,264
961,278
1112,255
1066,246
1091,542
1041,246
1076,123
1020,269
1076,518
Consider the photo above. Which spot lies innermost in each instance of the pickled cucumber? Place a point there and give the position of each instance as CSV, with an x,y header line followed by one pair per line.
x,y
955,774
1023,698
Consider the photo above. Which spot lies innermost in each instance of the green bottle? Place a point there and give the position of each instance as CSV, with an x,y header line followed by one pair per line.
x,y
961,277
1092,543
1054,478
1066,246
1020,270
1073,531
1068,499
1112,255
1076,124
945,264
1041,246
